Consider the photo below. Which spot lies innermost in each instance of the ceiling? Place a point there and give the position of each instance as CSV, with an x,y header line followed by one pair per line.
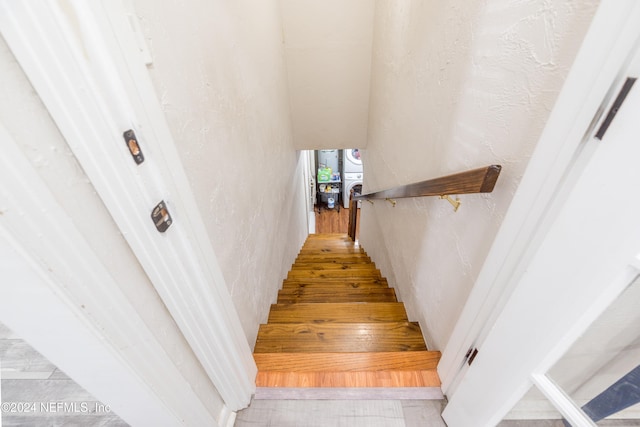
x,y
327,49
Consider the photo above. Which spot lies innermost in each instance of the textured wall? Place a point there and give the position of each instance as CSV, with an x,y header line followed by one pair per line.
x,y
456,85
328,58
219,72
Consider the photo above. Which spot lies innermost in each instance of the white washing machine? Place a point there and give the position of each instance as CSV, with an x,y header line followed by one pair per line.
x,y
352,163
351,180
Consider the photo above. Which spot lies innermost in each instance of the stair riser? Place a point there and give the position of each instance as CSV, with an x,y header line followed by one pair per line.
x,y
348,379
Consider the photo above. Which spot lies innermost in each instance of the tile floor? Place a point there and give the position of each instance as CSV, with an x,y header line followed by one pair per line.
x,y
339,413
29,377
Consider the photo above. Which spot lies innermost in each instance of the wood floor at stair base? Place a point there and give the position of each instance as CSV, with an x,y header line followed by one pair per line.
x,y
344,393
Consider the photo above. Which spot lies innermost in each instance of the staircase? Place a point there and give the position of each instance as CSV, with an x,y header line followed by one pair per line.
x,y
338,331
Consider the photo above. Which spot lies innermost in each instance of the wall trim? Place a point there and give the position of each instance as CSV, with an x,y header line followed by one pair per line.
x,y
82,59
227,418
564,403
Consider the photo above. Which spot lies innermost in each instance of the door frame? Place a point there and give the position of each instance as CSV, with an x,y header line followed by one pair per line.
x,y
589,87
75,314
564,150
82,58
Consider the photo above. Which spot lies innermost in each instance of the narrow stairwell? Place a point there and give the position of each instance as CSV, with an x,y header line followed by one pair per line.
x,y
338,331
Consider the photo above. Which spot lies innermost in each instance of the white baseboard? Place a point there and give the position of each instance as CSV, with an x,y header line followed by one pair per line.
x,y
227,417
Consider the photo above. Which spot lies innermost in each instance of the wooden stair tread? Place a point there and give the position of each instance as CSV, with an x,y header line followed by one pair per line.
x,y
337,324
329,274
338,312
377,369
339,337
314,236
332,253
347,241
346,259
331,242
333,286
351,281
347,362
357,295
333,266
337,288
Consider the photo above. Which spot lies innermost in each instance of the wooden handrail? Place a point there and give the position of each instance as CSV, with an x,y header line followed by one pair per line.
x,y
353,217
481,180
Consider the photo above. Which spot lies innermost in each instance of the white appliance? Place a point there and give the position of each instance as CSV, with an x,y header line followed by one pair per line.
x,y
351,180
329,158
351,160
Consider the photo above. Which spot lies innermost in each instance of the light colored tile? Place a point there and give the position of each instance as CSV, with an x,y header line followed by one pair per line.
x,y
27,376
59,375
6,333
24,375
54,403
322,413
419,413
65,421
18,356
43,391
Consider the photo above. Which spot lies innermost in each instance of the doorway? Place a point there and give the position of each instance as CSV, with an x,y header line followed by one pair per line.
x,y
336,173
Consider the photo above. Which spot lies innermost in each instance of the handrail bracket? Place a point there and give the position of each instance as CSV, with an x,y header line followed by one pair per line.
x,y
455,203
393,202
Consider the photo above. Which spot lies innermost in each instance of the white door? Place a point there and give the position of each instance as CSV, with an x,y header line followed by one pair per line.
x,y
585,258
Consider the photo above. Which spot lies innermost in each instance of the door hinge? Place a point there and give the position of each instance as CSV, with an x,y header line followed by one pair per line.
x,y
471,355
134,146
626,88
161,217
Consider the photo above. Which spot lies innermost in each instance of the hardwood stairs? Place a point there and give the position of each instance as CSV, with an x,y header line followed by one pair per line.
x,y
338,331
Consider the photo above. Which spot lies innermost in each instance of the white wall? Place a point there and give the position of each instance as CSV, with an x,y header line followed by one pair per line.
x,y
219,72
328,59
456,85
